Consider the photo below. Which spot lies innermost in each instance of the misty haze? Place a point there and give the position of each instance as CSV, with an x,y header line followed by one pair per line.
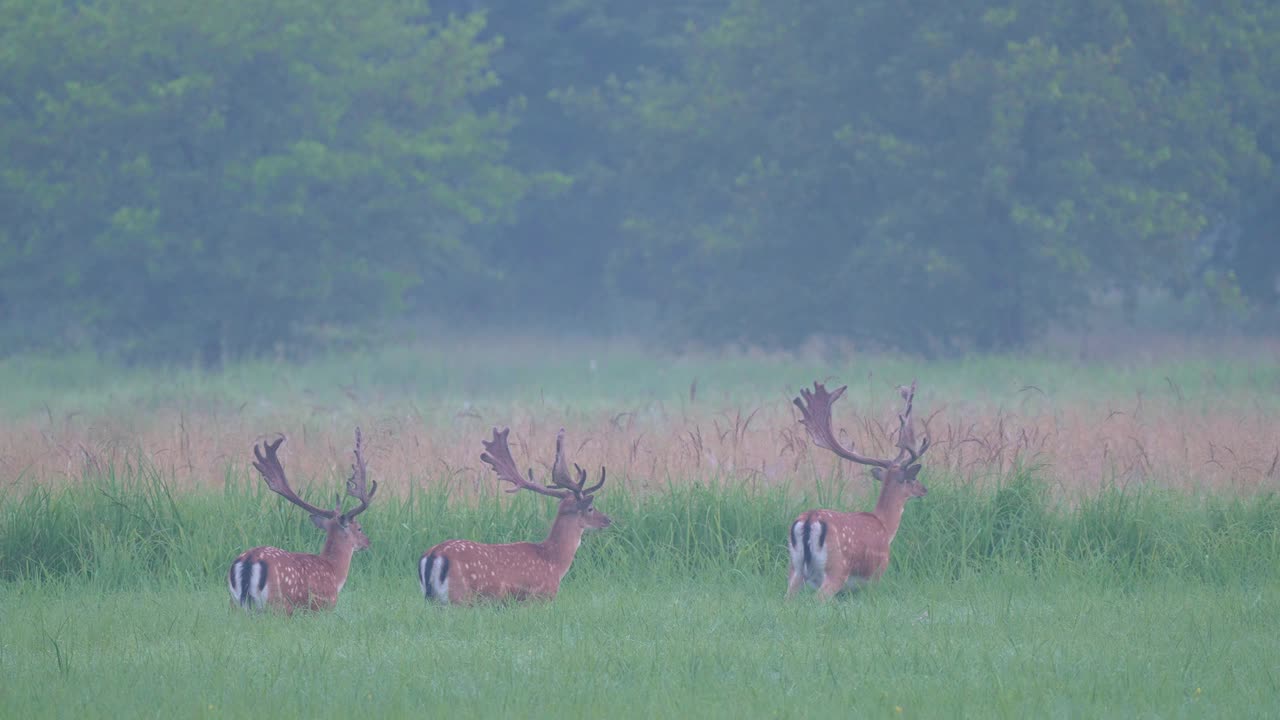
x,y
719,358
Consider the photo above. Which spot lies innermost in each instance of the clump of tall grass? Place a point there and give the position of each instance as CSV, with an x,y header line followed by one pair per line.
x,y
131,522
1140,531
124,530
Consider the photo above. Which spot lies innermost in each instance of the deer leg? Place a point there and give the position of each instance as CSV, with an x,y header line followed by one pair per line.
x,y
794,582
831,585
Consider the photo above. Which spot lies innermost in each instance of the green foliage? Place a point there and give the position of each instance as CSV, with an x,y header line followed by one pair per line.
x,y
960,178
123,530
185,179
177,180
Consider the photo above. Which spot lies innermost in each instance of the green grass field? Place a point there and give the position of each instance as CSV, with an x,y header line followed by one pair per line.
x,y
1004,599
1002,643
998,603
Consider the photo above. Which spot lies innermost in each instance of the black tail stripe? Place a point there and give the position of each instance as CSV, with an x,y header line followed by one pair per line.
x,y
246,577
808,554
262,576
822,533
425,570
444,568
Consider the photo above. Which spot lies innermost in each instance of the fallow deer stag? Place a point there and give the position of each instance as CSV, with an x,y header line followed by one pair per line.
x,y
461,571
833,550
271,577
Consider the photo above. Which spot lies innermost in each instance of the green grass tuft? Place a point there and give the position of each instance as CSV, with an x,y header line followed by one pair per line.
x,y
125,532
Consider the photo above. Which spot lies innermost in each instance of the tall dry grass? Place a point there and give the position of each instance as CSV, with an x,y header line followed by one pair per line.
x,y
1228,445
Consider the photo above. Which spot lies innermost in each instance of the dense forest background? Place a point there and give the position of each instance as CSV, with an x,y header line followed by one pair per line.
x,y
184,179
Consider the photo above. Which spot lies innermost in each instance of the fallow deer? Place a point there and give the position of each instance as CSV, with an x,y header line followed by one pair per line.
x,y
833,550
462,572
271,577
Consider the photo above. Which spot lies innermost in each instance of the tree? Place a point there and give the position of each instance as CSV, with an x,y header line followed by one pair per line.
x,y
549,263
186,177
929,176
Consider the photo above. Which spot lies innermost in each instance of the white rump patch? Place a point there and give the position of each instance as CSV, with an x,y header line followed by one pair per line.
x,y
422,574
256,596
796,546
816,570
430,568
233,581
439,583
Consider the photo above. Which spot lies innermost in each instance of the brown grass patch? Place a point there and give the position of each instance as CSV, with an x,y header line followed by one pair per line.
x,y
1079,448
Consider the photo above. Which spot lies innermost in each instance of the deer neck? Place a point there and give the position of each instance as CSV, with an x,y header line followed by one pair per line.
x,y
338,549
893,498
563,540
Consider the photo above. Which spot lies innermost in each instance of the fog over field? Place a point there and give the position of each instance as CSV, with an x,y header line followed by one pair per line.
x,y
651,225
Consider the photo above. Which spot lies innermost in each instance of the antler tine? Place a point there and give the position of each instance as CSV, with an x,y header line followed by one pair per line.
x,y
560,468
356,484
560,473
582,480
815,407
273,473
497,454
906,430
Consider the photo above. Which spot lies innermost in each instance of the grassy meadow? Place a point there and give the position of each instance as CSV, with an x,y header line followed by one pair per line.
x,y
1101,537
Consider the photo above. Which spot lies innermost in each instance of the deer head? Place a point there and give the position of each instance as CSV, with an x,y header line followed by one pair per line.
x,y
335,522
899,474
576,500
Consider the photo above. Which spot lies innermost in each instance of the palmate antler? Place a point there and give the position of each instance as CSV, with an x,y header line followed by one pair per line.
x,y
815,411
273,473
497,455
268,463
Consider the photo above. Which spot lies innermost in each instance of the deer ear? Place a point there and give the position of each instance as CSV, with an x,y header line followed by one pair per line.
x,y
319,520
877,473
910,473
